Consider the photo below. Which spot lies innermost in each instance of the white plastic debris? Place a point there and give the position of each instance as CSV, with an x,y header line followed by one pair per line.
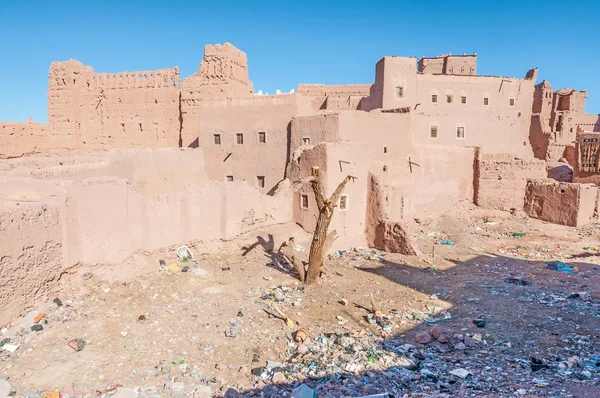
x,y
10,347
304,391
460,372
184,252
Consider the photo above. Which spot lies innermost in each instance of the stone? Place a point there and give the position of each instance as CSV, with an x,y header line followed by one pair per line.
x,y
460,346
125,393
423,338
5,388
302,349
441,334
585,375
37,328
470,342
231,393
77,344
279,378
460,372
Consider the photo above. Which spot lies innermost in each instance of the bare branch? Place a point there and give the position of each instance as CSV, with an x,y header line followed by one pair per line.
x,y
340,189
288,253
331,237
297,185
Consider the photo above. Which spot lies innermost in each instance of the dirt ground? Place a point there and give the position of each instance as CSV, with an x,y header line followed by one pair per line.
x,y
199,333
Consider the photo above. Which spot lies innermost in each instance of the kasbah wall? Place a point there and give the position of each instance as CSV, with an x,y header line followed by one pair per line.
x,y
145,160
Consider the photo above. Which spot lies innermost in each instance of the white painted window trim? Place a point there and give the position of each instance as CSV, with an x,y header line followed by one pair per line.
x,y
464,132
309,140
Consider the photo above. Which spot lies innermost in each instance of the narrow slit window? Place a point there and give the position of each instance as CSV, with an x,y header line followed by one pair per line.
x,y
262,137
460,132
343,202
230,178
304,201
384,149
463,99
306,141
217,139
434,98
511,102
433,132
486,101
400,92
261,181
239,138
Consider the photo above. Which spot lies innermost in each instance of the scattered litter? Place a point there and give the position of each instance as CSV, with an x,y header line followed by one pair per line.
x,y
226,269
37,328
517,281
39,317
518,234
10,347
304,391
480,323
562,267
173,268
446,242
492,223
300,335
184,252
58,302
77,344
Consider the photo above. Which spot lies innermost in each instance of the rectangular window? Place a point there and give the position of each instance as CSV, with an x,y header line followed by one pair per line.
x,y
511,102
384,149
434,98
463,99
229,178
262,137
304,201
486,101
449,98
261,181
306,141
433,132
400,92
343,202
460,132
217,139
239,138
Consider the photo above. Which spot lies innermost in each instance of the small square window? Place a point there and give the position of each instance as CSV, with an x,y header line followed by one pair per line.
x,y
511,102
486,101
239,138
304,201
400,92
305,140
343,202
434,98
229,178
262,137
217,139
449,98
261,181
463,99
433,132
460,132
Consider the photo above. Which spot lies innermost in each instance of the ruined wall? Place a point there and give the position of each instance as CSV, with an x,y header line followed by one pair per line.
x,y
22,139
223,73
502,180
98,111
32,254
335,160
447,64
561,203
255,119
324,97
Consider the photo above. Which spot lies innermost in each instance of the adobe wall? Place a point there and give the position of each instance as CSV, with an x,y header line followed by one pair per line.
x,y
32,254
100,111
249,116
495,128
223,73
348,96
501,180
561,203
29,138
335,160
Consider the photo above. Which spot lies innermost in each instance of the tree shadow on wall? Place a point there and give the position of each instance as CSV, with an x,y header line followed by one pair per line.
x,y
483,287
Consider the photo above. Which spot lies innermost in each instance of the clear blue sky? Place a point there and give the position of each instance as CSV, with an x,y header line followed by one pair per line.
x,y
331,42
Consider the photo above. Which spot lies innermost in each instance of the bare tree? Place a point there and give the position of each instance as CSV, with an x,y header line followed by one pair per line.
x,y
321,240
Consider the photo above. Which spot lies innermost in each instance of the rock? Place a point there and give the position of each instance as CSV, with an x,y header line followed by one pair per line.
x,y
77,344
585,375
279,378
441,334
423,338
58,302
231,393
480,323
302,349
125,393
5,388
470,342
37,328
460,346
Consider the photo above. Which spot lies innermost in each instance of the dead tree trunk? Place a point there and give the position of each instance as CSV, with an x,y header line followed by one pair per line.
x,y
321,241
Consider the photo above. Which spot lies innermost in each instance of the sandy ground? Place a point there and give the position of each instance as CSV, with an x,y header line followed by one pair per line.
x,y
170,333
